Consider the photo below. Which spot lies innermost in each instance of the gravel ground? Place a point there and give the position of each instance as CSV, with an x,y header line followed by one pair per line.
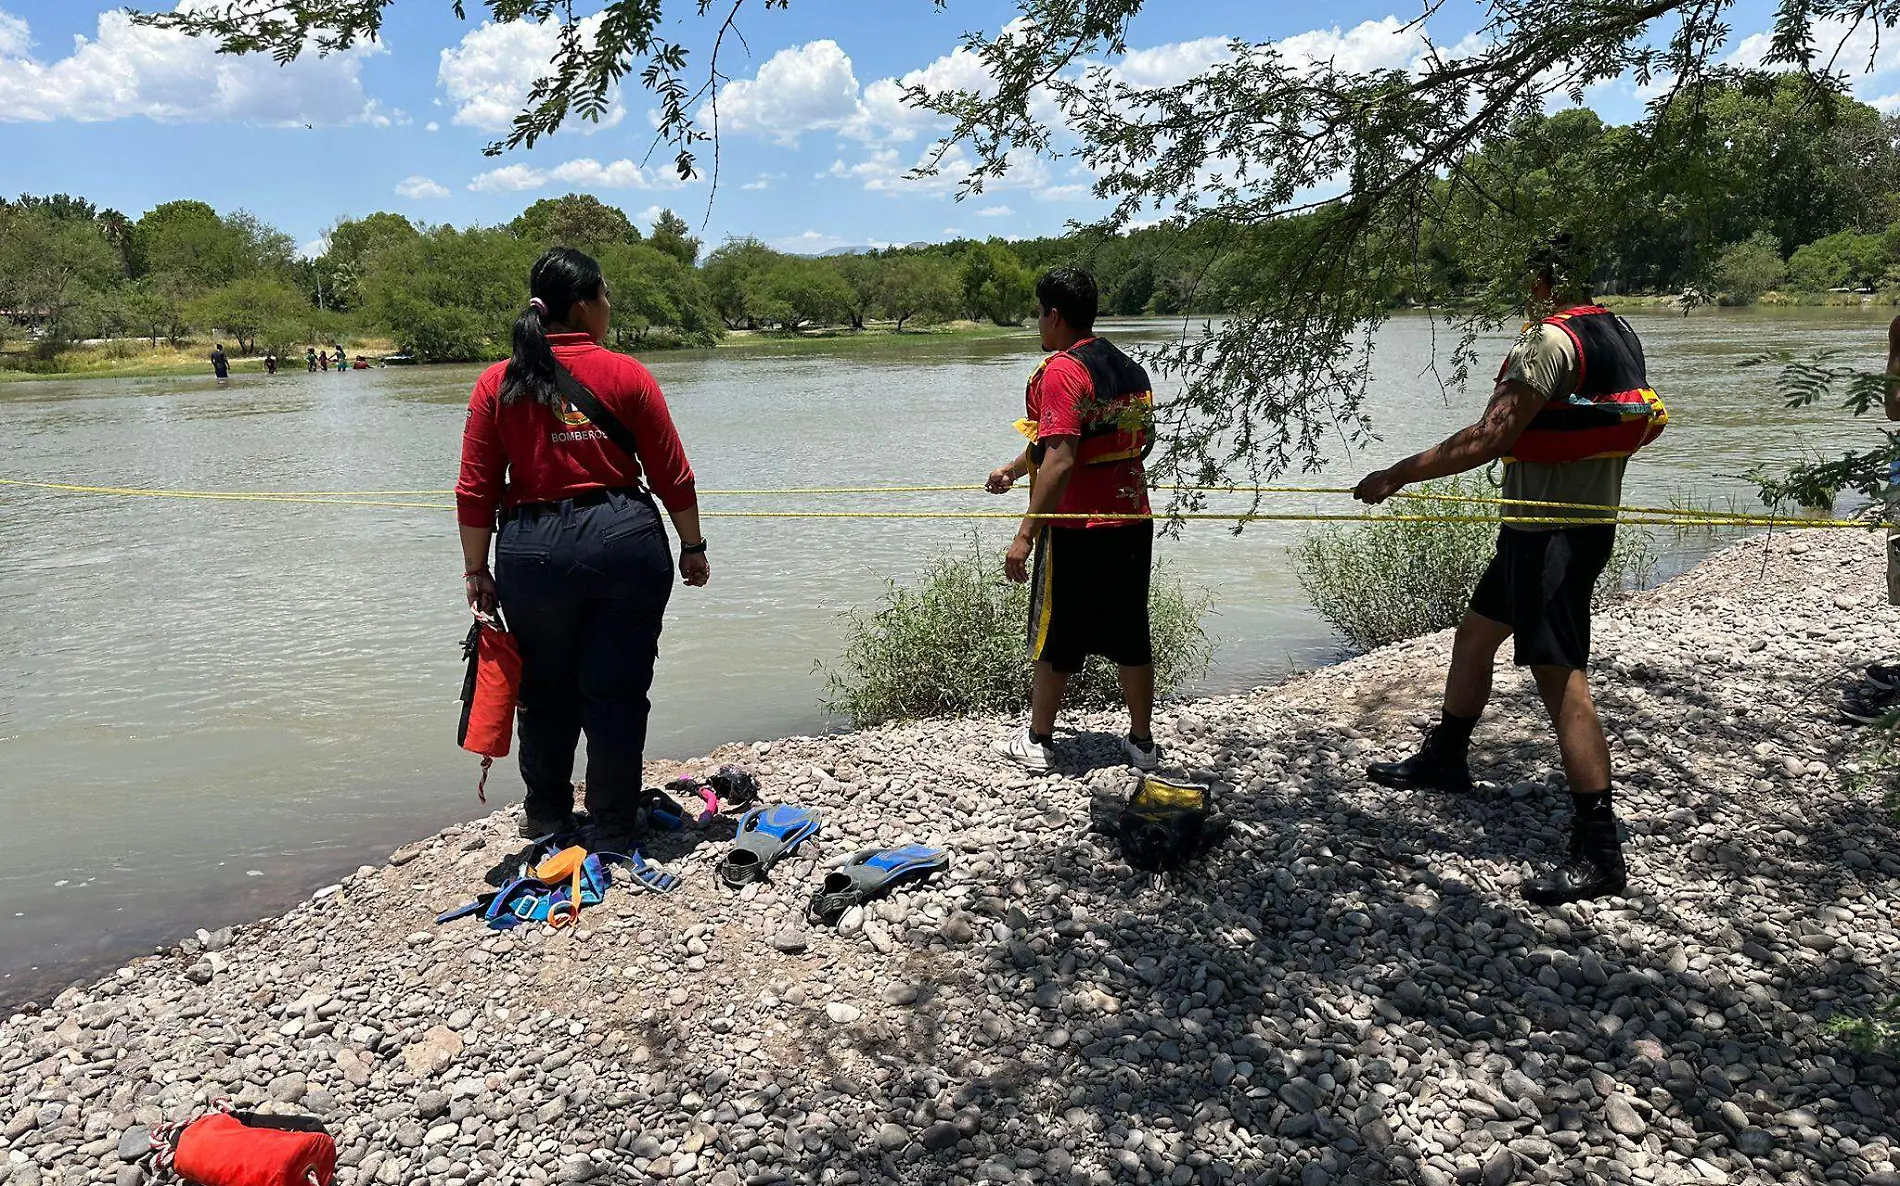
x,y
1349,990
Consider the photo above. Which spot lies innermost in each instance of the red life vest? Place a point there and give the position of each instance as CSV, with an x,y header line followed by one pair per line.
x,y
1119,423
1612,413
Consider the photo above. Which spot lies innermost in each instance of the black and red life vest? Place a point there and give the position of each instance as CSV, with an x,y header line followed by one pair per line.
x,y
1612,413
1119,422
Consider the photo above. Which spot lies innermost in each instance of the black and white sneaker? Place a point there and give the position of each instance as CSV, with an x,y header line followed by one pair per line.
x,y
1885,676
1871,705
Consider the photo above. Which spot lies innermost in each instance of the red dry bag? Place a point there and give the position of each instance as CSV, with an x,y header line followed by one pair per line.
x,y
222,1150
489,688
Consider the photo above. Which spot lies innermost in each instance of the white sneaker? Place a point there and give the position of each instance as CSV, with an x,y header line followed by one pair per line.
x,y
1141,759
1025,751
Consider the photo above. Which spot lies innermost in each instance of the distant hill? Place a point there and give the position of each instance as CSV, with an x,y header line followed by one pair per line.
x,y
863,249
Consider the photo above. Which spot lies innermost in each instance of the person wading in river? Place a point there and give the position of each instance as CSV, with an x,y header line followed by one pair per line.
x,y
582,568
1571,403
1088,423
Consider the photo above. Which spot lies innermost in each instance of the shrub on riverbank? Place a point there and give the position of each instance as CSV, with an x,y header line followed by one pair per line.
x,y
952,644
1387,582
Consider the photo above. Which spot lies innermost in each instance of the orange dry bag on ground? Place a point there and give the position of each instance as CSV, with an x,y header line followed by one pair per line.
x,y
489,689
223,1150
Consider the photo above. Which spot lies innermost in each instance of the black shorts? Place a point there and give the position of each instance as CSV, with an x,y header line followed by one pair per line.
x,y
1089,596
1540,585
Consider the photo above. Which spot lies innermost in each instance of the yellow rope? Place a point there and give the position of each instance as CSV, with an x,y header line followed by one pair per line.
x,y
353,497
1642,516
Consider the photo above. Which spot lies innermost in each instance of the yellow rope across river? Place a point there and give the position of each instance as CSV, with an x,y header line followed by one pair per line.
x,y
402,499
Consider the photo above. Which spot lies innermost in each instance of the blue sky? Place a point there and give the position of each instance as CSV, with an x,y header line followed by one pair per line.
x,y
815,144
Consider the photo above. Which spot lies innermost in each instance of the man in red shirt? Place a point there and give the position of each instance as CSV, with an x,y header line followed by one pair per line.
x,y
1089,423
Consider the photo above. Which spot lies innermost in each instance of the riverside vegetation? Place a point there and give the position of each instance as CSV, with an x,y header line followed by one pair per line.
x,y
952,645
1386,582
1796,204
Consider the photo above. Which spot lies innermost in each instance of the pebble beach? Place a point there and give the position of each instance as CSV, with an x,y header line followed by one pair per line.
x,y
1349,989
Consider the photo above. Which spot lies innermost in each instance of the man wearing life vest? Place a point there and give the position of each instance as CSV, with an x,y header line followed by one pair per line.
x,y
1088,421
1571,403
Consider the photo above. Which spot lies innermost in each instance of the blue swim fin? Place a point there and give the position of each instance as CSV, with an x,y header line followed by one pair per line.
x,y
873,872
766,834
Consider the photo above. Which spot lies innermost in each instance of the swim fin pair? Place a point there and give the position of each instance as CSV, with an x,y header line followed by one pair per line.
x,y
769,834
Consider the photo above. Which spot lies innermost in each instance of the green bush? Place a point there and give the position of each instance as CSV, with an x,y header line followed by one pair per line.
x,y
952,644
1877,1034
1387,582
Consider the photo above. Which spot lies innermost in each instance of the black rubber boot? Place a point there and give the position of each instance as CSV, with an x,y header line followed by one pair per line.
x,y
1437,766
1593,869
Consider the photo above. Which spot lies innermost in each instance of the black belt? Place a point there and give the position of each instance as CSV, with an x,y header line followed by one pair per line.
x,y
586,498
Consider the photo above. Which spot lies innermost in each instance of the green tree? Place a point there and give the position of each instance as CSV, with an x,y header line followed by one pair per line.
x,y
574,220
450,295
797,293
673,236
351,244
1747,269
1844,258
652,289
735,277
995,284
922,287
50,268
862,275
243,308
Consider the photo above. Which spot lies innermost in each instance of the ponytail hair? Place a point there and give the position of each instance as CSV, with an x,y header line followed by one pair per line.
x,y
559,279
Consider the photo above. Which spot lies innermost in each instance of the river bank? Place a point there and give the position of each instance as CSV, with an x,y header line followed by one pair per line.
x,y
1348,990
135,360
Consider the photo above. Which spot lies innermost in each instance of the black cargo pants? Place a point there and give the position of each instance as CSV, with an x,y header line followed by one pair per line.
x,y
583,584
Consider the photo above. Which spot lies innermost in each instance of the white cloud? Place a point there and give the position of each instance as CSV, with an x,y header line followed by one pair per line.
x,y
432,126
995,212
650,215
1862,51
126,70
489,72
764,181
1172,64
803,88
586,173
884,171
15,37
1063,193
417,188
315,249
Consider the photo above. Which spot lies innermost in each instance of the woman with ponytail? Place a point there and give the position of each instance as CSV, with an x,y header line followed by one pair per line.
x,y
566,448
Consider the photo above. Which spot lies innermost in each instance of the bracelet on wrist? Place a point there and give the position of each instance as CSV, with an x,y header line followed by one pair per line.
x,y
698,549
478,570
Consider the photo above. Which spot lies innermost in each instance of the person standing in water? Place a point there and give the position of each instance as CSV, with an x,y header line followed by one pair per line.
x,y
220,365
270,364
310,359
582,569
1572,402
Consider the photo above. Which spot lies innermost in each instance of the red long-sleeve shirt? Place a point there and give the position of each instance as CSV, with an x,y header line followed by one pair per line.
x,y
523,452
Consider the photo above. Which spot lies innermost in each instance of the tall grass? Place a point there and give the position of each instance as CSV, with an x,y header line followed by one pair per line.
x,y
951,644
1386,582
